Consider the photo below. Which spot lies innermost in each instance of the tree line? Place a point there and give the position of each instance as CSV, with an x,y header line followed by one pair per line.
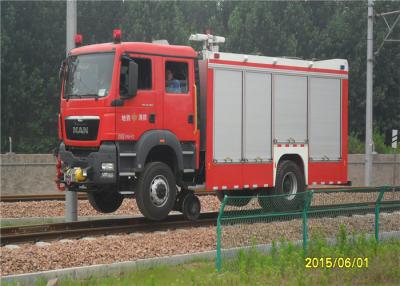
x,y
33,45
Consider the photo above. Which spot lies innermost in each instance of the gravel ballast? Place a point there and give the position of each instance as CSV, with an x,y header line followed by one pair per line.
x,y
129,207
57,208
129,247
104,250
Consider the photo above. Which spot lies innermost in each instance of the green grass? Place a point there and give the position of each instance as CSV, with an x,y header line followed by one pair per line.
x,y
282,266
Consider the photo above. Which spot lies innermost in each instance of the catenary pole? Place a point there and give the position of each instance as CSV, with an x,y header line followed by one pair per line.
x,y
369,109
71,200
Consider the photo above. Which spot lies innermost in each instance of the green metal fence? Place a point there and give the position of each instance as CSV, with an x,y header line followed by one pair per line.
x,y
245,222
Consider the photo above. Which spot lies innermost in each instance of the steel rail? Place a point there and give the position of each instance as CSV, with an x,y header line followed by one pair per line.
x,y
59,197
41,197
83,196
81,229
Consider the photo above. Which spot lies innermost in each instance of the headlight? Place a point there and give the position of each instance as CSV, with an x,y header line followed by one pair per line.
x,y
107,167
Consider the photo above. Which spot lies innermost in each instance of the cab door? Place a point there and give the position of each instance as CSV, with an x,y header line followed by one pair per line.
x,y
179,103
138,114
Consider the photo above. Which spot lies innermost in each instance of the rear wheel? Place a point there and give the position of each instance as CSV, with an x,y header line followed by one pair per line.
x,y
156,191
290,182
105,201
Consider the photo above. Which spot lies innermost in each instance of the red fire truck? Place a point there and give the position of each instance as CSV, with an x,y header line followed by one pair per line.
x,y
159,121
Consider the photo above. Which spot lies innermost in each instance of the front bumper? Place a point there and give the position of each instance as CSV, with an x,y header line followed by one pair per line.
x,y
91,163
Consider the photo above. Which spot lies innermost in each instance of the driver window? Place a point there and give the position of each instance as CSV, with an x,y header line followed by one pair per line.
x,y
176,77
144,74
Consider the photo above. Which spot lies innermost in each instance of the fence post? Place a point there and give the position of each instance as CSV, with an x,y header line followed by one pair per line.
x,y
218,262
307,204
377,210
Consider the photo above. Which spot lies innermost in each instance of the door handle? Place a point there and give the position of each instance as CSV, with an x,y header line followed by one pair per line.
x,y
190,118
117,102
152,118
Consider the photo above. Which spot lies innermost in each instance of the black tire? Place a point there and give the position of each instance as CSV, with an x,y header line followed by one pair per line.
x,y
191,207
237,202
264,200
105,201
290,181
220,195
156,191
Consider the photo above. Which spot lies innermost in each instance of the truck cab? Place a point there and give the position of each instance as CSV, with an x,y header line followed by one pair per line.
x,y
127,122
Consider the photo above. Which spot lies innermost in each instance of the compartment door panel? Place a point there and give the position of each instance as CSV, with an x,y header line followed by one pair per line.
x,y
290,99
257,117
325,118
227,116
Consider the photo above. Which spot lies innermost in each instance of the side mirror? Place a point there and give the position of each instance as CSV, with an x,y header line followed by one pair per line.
x,y
132,80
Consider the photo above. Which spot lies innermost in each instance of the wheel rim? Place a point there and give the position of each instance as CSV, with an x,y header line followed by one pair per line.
x,y
159,191
289,185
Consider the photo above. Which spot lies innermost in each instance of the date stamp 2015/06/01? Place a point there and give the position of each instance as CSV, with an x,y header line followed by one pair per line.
x,y
336,262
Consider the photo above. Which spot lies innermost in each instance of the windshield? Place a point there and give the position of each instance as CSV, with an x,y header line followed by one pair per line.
x,y
89,75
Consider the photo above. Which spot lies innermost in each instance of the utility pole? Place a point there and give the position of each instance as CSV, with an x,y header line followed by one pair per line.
x,y
71,200
369,108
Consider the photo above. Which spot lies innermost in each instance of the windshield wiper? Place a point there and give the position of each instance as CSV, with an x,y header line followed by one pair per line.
x,y
82,95
70,95
89,95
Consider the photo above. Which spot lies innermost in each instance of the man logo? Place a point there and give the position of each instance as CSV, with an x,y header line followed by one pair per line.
x,y
80,130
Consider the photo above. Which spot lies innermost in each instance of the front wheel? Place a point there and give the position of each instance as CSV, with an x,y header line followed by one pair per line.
x,y
105,201
156,191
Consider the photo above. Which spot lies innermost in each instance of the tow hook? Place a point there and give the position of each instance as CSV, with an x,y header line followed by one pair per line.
x,y
79,175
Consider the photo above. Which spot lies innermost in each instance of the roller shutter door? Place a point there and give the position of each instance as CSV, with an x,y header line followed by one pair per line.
x,y
290,100
227,115
325,119
257,117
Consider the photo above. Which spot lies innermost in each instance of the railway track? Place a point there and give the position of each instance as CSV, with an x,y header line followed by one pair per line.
x,y
83,196
31,198
59,197
10,235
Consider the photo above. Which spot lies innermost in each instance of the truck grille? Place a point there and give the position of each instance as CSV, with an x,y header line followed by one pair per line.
x,y
83,128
